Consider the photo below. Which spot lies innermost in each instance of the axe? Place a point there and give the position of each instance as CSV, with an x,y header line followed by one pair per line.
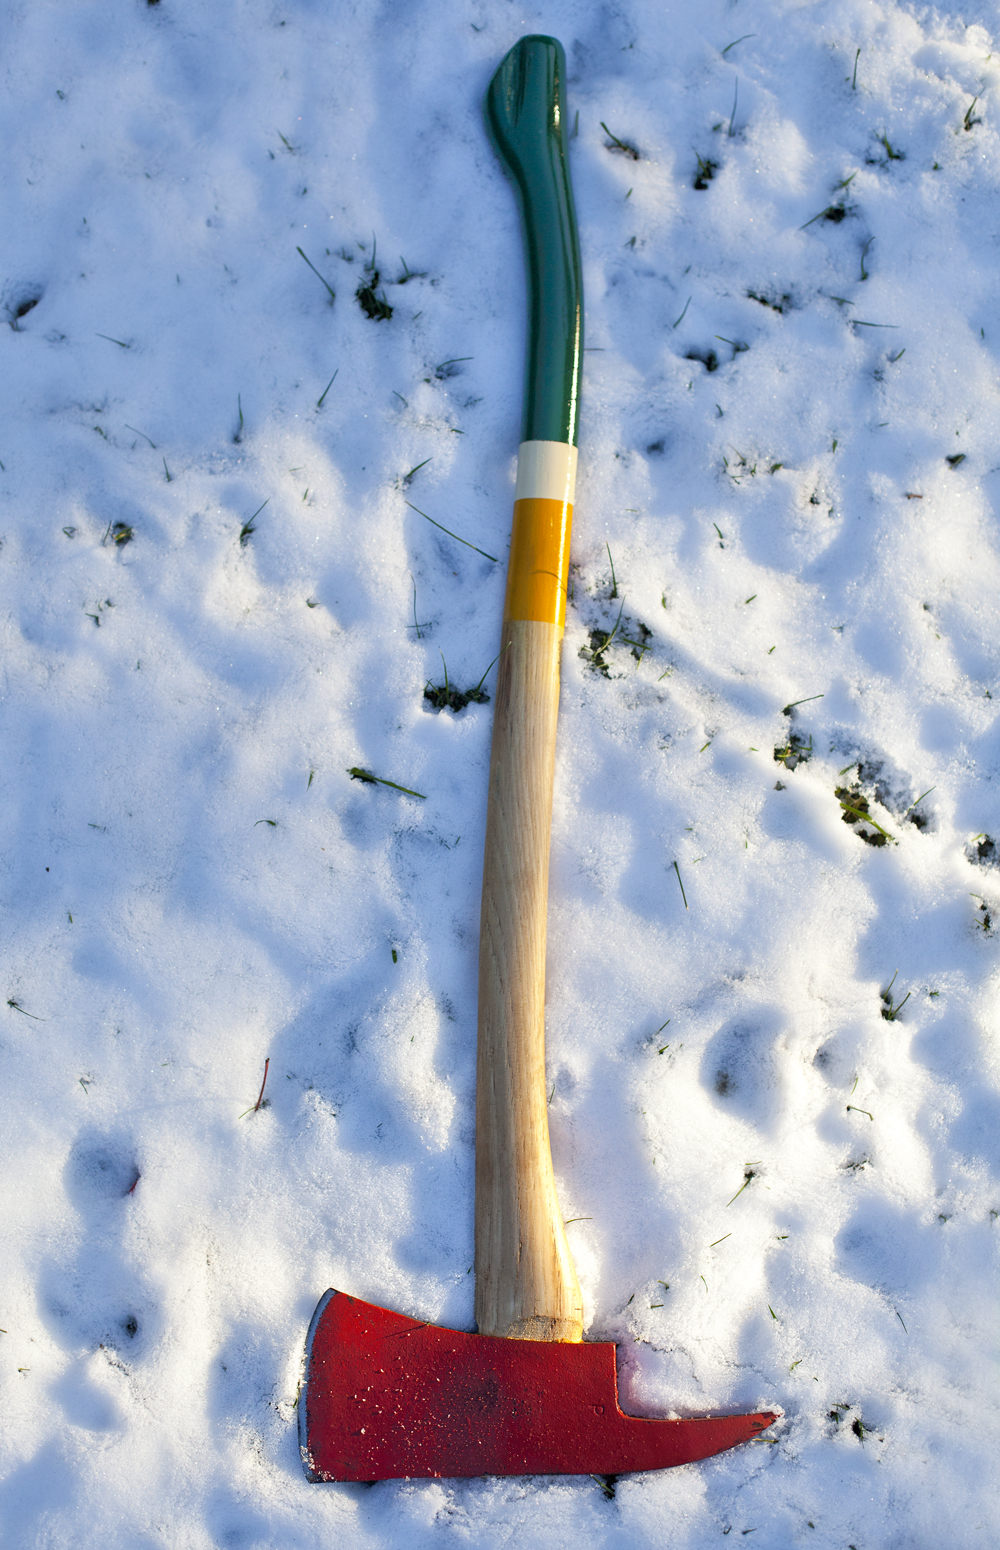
x,y
386,1396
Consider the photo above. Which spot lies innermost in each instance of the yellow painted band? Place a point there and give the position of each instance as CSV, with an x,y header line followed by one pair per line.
x,y
538,570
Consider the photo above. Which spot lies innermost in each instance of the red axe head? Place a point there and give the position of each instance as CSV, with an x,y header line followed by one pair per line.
x,y
387,1397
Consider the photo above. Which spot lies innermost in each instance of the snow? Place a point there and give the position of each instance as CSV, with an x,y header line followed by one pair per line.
x,y
192,884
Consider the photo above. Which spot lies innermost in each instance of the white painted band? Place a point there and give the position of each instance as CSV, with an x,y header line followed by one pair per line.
x,y
546,470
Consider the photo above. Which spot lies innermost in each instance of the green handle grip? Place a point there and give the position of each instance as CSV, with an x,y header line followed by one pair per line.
x,y
525,111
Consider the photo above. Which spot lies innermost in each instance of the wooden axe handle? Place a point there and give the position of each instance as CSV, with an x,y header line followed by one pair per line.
x,y
526,1285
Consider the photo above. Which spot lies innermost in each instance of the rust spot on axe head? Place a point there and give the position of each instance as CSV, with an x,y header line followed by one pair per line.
x,y
387,1397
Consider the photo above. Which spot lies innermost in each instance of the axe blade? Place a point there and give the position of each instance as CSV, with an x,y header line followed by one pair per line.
x,y
387,1397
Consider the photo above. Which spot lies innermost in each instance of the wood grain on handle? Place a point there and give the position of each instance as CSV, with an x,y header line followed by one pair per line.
x,y
526,1285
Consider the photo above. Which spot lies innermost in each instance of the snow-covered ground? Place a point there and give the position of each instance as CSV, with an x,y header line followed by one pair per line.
x,y
791,455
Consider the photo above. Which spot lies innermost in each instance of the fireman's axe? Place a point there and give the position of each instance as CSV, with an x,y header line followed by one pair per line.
x,y
387,1396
